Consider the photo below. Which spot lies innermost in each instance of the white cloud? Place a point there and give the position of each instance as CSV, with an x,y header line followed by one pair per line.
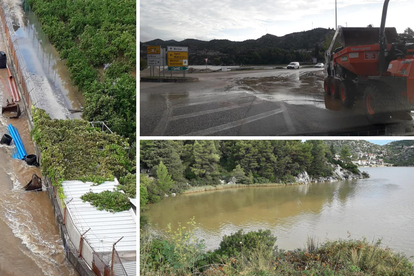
x,y
240,20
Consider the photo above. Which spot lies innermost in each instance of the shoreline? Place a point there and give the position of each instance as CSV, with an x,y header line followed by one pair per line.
x,y
210,188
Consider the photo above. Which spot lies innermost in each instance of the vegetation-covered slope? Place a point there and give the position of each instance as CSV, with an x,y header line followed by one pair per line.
x,y
268,49
74,150
90,34
208,162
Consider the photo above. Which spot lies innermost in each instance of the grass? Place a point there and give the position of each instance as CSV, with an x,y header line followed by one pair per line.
x,y
208,188
180,253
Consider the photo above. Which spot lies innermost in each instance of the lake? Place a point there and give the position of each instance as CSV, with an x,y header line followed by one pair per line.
x,y
379,207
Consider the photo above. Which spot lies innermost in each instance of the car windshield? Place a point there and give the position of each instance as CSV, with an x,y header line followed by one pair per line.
x,y
292,63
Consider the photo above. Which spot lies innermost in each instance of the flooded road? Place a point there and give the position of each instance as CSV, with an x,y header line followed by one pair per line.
x,y
46,74
30,241
29,236
378,207
252,103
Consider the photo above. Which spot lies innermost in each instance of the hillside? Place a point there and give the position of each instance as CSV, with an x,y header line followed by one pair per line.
x,y
400,153
268,49
397,153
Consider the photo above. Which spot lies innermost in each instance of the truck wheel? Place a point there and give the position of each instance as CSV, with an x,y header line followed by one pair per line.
x,y
327,85
375,104
335,88
348,93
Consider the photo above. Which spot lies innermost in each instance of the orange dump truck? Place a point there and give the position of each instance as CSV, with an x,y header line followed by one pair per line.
x,y
375,64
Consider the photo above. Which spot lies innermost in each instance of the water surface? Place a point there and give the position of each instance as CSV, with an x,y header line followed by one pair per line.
x,y
379,207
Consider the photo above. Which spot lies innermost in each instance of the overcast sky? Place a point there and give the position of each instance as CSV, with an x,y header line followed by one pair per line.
x,y
238,20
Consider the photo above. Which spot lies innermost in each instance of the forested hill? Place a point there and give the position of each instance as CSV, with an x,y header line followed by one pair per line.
x,y
268,49
400,153
397,153
178,165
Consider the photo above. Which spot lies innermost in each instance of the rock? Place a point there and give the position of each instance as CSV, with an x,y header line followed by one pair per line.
x,y
303,178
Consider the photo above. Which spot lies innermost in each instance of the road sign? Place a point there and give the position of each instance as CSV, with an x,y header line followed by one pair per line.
x,y
177,49
177,55
154,62
153,56
155,50
177,62
177,68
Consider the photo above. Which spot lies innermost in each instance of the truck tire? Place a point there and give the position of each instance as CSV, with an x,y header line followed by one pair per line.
x,y
376,102
327,85
348,93
335,88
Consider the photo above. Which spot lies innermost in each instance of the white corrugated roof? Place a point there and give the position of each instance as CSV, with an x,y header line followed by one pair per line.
x,y
106,227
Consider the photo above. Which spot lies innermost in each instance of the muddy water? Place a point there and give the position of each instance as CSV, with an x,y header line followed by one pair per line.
x,y
29,236
290,86
379,207
53,67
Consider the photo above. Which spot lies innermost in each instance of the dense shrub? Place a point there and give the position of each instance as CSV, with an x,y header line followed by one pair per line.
x,y
253,253
241,242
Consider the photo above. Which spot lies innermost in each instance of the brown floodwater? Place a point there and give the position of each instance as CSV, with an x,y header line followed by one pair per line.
x,y
29,236
379,207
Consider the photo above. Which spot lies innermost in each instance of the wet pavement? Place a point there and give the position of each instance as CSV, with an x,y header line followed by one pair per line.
x,y
30,240
253,103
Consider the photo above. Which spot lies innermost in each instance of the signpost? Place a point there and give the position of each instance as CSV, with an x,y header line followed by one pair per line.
x,y
177,58
154,57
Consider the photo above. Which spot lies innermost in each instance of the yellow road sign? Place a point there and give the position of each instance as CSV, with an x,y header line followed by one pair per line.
x,y
154,50
177,62
177,55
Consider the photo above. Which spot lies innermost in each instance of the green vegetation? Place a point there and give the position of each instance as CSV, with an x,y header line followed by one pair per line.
x,y
73,150
89,35
210,163
268,49
113,201
255,253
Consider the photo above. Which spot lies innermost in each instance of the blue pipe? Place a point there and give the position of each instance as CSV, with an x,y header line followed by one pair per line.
x,y
21,152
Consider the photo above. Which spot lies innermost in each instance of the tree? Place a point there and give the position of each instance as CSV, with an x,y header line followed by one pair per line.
x,y
206,159
239,174
165,151
164,179
345,154
318,167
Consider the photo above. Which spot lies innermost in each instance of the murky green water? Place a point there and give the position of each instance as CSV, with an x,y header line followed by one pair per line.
x,y
379,207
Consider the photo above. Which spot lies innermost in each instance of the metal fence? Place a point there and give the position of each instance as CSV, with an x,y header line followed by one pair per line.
x,y
110,263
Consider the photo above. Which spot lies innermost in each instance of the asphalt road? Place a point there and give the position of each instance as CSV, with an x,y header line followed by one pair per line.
x,y
253,103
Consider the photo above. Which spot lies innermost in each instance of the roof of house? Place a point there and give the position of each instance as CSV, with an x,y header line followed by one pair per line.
x,y
106,228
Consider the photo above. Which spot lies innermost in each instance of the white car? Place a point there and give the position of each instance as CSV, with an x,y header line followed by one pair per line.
x,y
293,65
319,65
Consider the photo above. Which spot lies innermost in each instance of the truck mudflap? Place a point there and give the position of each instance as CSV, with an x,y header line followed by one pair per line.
x,y
404,68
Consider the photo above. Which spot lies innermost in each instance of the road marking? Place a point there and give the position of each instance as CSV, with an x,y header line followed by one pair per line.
x,y
288,120
205,112
234,124
162,125
221,99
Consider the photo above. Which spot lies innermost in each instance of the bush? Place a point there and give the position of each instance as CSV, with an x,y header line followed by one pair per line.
x,y
239,242
176,253
261,180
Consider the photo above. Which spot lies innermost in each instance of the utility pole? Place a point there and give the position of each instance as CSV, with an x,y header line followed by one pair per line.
x,y
336,25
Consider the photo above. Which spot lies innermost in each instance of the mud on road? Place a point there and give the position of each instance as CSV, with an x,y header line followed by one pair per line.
x,y
252,103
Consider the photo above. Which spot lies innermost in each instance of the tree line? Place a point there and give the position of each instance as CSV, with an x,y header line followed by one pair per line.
x,y
178,165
